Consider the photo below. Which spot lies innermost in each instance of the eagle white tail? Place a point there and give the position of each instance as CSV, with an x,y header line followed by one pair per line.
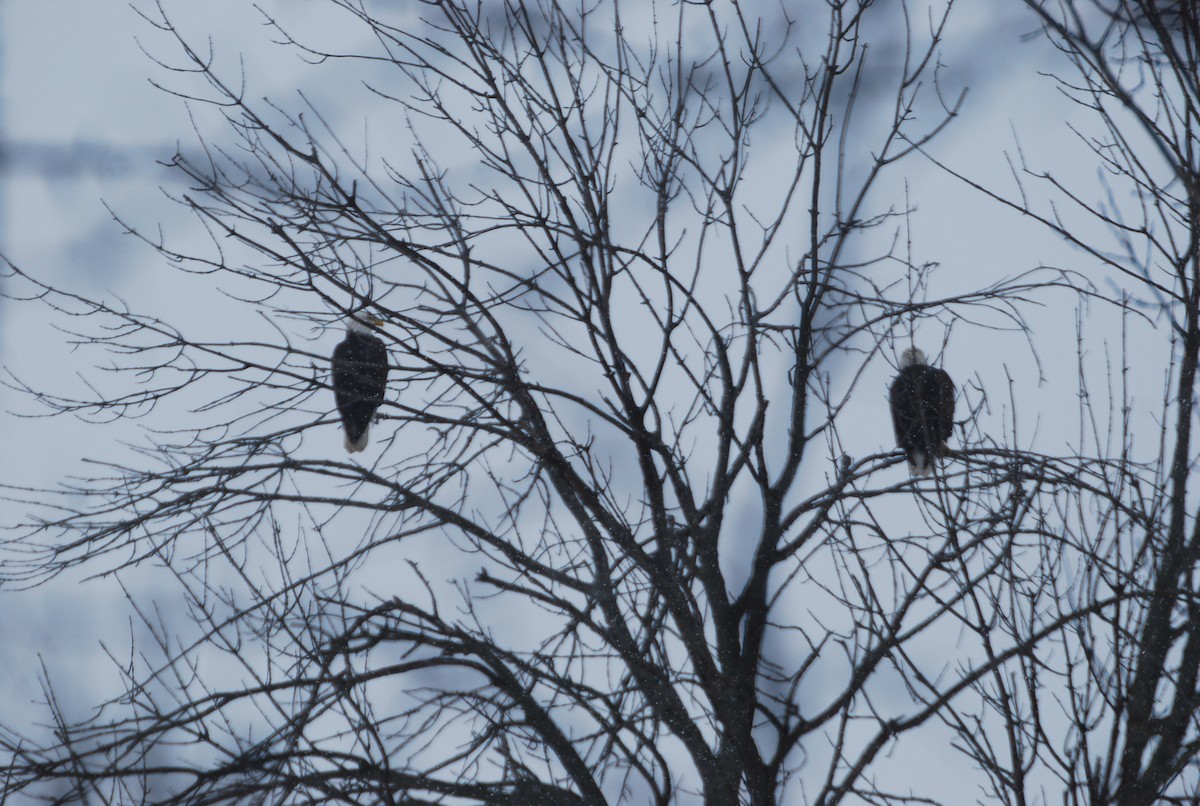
x,y
360,444
920,465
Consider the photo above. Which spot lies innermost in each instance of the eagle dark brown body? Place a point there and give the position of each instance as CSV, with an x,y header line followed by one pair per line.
x,y
360,372
922,400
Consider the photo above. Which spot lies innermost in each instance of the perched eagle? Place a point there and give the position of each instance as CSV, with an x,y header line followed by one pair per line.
x,y
922,399
360,371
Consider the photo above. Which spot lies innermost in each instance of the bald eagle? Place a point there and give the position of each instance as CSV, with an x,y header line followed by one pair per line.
x,y
360,371
922,399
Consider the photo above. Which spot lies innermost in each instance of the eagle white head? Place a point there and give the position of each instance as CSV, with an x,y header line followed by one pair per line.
x,y
912,357
361,323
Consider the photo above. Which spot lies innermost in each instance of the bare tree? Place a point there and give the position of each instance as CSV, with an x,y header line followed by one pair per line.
x,y
633,269
1107,709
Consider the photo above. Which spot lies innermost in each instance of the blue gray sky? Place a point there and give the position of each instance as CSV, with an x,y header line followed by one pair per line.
x,y
81,126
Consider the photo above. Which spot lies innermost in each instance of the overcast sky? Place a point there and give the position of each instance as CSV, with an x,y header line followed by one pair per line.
x,y
81,125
